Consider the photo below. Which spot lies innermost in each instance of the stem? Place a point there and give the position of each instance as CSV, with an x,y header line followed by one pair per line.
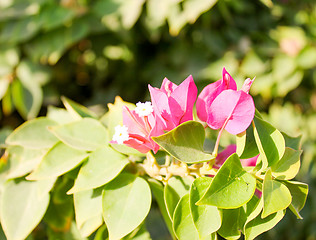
x,y
164,172
219,136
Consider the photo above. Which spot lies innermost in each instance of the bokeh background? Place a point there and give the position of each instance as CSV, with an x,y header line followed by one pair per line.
x,y
93,50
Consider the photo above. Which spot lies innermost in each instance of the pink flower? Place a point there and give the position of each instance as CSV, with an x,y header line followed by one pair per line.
x,y
232,110
173,104
211,91
139,126
229,150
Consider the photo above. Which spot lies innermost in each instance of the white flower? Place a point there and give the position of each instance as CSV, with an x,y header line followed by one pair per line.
x,y
121,134
144,109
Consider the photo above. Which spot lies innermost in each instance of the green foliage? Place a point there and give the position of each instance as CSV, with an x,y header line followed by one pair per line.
x,y
102,193
232,186
125,204
92,51
185,143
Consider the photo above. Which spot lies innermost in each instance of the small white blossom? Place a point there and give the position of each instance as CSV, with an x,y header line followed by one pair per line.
x,y
144,109
121,134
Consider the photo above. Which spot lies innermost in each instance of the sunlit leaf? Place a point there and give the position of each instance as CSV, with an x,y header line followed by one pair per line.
x,y
246,144
85,134
158,191
231,187
231,223
23,160
76,110
176,188
126,202
206,218
88,210
34,134
299,193
183,224
260,225
288,166
59,159
102,166
270,142
276,196
22,208
185,142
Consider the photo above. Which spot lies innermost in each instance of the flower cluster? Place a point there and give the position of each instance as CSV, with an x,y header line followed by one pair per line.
x,y
219,104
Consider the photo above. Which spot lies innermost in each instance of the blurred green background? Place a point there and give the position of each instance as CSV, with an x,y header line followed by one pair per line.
x,y
93,50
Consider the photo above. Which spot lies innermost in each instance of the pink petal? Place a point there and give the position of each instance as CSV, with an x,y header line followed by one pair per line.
x,y
208,94
160,103
139,143
133,122
229,150
211,91
247,84
167,86
236,106
223,155
229,82
182,100
249,162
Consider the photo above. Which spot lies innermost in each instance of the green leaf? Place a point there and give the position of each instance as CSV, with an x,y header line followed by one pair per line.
x,y
139,233
33,134
102,166
130,12
231,223
292,142
27,97
16,31
270,142
54,15
7,102
85,134
50,46
231,187
88,209
23,207
307,58
102,233
183,222
260,225
176,188
246,144
158,191
289,83
126,202
185,142
253,65
206,218
59,115
276,196
288,166
23,160
299,193
4,86
59,159
76,110
194,9
9,58
282,65
31,73
256,206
